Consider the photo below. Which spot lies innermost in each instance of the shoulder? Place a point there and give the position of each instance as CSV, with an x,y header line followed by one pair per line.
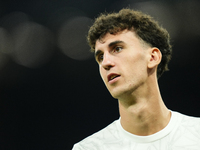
x,y
187,123
186,119
186,131
96,140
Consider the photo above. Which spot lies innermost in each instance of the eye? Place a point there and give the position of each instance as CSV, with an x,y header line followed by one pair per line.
x,y
117,49
100,58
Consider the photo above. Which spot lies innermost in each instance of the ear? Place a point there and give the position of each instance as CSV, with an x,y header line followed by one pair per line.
x,y
155,57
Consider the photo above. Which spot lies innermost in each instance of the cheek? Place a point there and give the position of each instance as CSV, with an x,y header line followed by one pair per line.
x,y
137,66
102,74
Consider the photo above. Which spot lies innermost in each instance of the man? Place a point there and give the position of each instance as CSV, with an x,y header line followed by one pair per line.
x,y
132,52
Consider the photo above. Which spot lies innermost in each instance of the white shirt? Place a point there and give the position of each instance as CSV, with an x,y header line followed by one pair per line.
x,y
181,133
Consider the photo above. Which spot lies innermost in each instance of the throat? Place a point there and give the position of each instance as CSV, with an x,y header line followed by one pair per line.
x,y
143,121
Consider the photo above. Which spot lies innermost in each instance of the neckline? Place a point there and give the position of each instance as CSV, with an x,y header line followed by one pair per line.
x,y
150,138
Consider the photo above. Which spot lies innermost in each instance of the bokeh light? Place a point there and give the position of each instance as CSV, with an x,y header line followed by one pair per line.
x,y
163,13
72,38
33,44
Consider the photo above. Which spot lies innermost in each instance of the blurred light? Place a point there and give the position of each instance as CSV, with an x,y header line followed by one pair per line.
x,y
161,12
33,44
5,41
72,38
28,43
14,19
61,15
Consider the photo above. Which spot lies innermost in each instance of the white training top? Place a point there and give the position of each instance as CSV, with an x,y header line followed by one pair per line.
x,y
181,133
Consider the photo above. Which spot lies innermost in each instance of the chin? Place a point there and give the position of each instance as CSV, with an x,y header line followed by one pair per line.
x,y
121,93
115,97
116,94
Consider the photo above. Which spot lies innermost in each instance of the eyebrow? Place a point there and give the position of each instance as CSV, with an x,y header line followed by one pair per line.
x,y
110,45
114,43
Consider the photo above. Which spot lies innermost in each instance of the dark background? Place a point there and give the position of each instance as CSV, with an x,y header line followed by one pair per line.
x,y
51,93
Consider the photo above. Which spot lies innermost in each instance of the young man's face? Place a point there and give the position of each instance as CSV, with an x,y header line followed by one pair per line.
x,y
122,60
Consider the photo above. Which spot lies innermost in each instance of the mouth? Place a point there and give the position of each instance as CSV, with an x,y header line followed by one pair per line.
x,y
112,77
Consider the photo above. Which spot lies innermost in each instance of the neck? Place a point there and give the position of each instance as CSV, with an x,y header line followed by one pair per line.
x,y
144,113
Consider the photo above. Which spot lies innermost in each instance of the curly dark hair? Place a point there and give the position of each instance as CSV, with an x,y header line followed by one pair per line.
x,y
142,24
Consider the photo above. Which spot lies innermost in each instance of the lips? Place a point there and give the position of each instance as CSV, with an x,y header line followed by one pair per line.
x,y
112,76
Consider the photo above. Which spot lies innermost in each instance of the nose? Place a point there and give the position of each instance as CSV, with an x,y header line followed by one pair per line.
x,y
107,62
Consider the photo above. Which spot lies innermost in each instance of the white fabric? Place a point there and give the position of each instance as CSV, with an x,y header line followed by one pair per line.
x,y
181,133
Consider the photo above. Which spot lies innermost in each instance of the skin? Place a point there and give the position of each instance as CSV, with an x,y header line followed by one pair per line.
x,y
134,62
